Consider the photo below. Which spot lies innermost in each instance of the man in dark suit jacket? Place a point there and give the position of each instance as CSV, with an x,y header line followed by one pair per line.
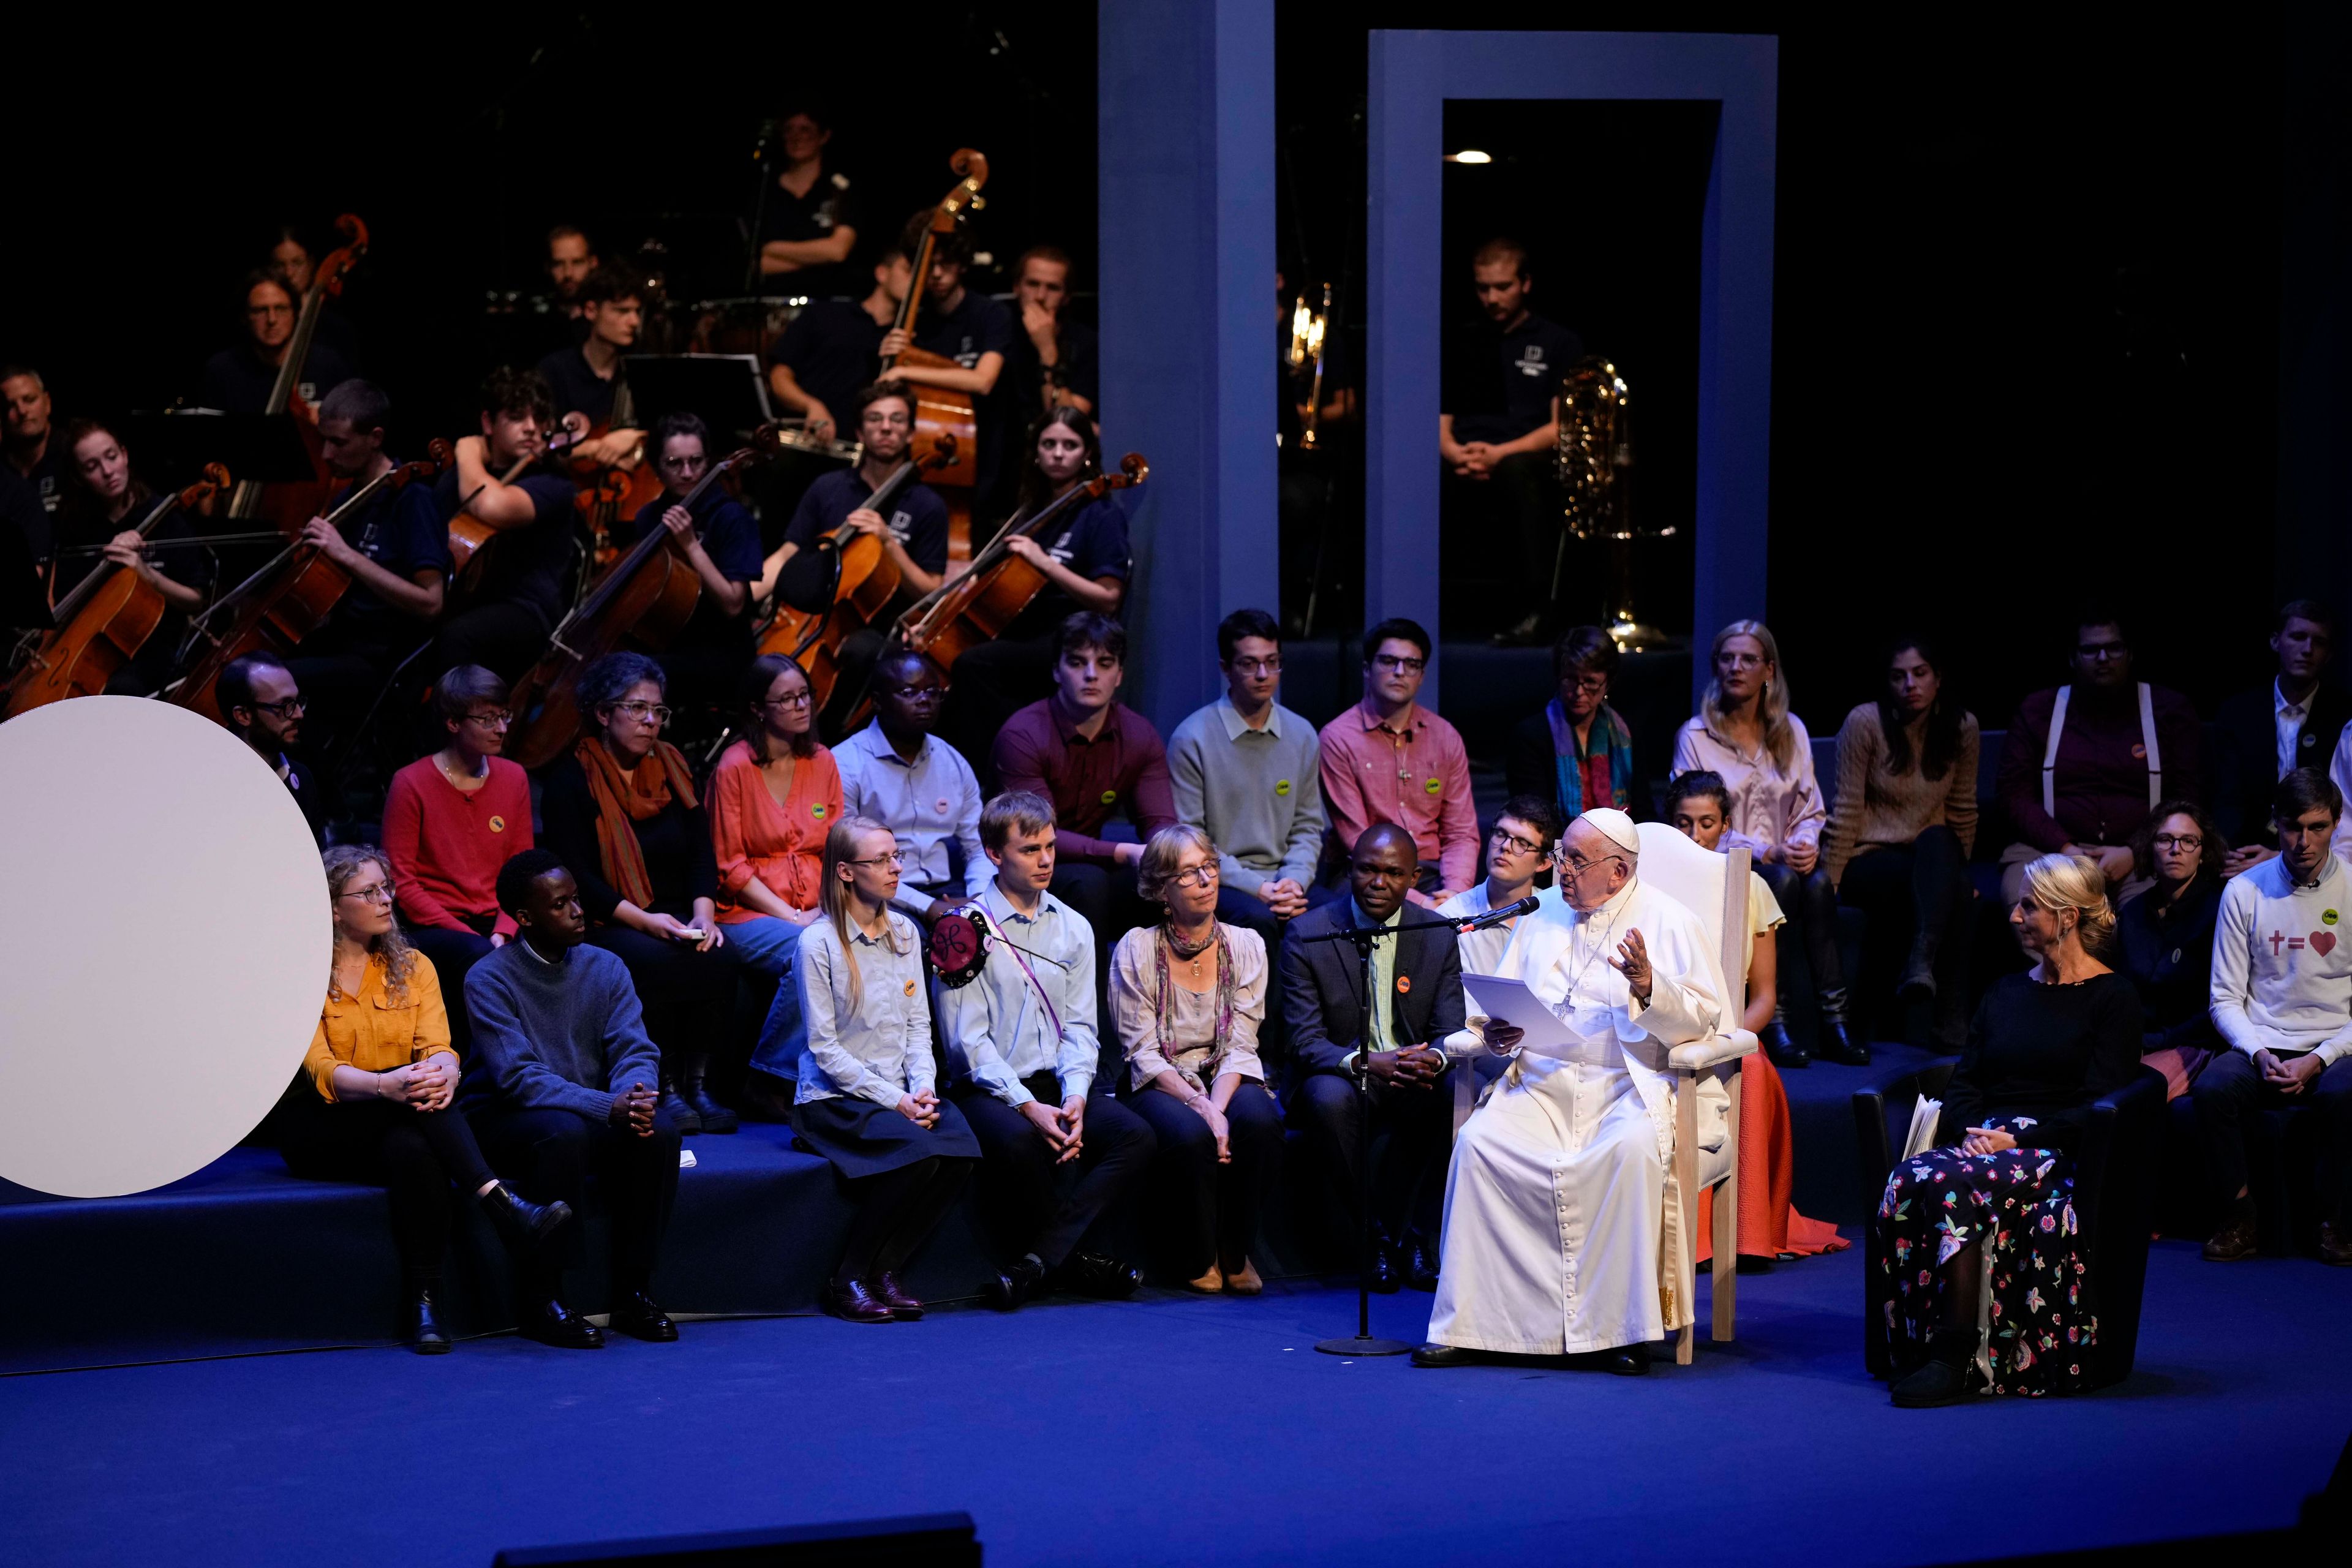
x,y
2297,713
1418,976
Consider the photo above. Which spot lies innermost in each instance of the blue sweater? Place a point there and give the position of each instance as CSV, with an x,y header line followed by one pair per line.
x,y
565,1036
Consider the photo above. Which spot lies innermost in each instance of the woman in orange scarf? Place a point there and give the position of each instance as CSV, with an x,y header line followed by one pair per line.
x,y
622,812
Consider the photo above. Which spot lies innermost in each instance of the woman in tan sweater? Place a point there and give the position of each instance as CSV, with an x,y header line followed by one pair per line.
x,y
1902,827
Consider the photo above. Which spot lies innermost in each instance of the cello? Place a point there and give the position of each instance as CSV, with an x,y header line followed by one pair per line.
x,y
979,605
104,622
291,505
647,596
287,599
844,580
943,411
468,533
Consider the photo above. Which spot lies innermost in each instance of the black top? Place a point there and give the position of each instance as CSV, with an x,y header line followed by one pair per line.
x,y
2246,760
404,533
578,388
1531,767
675,841
237,380
918,517
23,540
730,537
1499,385
78,529
977,326
1090,542
526,565
830,203
834,351
2046,1052
47,477
317,797
2167,951
1079,367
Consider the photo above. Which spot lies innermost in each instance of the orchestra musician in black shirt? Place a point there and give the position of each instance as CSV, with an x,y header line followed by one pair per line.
x,y
1055,359
808,223
27,443
510,598
588,379
238,380
975,332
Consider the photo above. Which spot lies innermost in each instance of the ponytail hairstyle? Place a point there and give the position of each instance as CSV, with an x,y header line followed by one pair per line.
x,y
832,893
1771,703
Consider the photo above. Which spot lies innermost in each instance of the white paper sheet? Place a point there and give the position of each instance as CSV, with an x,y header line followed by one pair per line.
x,y
1493,996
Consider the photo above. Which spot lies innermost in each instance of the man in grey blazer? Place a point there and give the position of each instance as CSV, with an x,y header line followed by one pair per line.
x,y
1416,1002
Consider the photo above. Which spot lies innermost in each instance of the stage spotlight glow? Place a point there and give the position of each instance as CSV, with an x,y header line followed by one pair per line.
x,y
1469,156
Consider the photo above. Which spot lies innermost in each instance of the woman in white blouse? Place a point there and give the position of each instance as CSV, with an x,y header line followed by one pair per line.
x,y
1746,734
1187,997
866,1099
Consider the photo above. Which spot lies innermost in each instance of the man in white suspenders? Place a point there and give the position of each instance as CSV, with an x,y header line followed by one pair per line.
x,y
2086,763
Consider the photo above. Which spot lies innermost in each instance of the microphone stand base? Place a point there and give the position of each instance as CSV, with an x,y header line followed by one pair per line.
x,y
1363,1344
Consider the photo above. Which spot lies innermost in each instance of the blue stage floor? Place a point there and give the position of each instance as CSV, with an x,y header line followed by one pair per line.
x,y
1183,1431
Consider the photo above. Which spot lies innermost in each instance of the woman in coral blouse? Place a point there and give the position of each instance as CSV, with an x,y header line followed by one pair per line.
x,y
384,1074
774,796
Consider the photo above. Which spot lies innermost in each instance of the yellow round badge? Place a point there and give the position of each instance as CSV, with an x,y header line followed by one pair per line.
x,y
498,824
1282,787
816,809
1434,786
1110,797
2327,917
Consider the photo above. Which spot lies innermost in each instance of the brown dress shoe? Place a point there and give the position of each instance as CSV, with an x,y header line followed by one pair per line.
x,y
1245,1280
2334,1244
2234,1240
849,1300
1209,1284
887,1289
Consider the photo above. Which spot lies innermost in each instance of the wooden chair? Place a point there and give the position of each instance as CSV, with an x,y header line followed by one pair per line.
x,y
1714,888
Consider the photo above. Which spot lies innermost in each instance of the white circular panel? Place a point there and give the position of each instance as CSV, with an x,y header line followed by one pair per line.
x,y
164,939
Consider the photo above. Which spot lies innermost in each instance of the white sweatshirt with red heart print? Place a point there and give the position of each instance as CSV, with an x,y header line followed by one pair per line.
x,y
2282,962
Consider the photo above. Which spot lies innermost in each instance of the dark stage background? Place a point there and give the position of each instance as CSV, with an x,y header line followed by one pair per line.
x,y
2027,322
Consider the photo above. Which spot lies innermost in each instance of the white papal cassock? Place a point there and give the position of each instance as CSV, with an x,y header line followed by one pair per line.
x,y
1556,1239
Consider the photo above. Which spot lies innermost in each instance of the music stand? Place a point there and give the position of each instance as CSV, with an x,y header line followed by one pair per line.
x,y
727,390
172,444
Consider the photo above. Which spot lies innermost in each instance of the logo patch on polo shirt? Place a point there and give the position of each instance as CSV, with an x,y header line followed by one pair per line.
x,y
1282,787
1434,786
498,824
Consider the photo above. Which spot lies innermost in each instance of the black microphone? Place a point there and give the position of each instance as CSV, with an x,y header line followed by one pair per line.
x,y
1525,905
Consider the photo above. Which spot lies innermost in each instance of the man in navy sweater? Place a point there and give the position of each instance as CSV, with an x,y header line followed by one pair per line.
x,y
563,1080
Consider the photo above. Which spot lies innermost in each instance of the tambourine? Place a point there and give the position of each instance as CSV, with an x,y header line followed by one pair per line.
x,y
958,948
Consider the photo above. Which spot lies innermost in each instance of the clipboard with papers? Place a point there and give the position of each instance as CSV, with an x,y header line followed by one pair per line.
x,y
1496,997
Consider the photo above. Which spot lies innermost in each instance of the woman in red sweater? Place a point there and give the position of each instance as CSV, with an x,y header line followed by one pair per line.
x,y
450,821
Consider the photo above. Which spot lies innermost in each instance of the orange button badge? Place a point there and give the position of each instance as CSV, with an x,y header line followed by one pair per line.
x,y
910,988
1405,984
498,824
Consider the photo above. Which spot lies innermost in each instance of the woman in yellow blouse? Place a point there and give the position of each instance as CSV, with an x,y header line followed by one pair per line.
x,y
385,1074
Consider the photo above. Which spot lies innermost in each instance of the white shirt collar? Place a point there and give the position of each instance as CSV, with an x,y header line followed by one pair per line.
x,y
1237,726
2282,708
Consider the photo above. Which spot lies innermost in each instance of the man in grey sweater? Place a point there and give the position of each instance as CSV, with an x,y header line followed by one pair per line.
x,y
562,1082
1245,772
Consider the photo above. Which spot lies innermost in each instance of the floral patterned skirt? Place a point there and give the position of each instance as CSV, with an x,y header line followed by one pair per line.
x,y
2042,1322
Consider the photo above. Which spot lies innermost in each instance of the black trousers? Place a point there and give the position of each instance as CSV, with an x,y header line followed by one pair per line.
x,y
1218,1206
688,996
1409,1185
1811,903
1922,887
453,954
2230,1086
896,1210
549,1154
507,636
1034,1202
415,1154
1504,533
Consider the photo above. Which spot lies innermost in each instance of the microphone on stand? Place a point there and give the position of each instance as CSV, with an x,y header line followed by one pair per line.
x,y
1525,905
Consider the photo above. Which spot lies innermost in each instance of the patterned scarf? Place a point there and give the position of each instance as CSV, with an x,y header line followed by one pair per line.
x,y
1163,1002
1589,779
623,799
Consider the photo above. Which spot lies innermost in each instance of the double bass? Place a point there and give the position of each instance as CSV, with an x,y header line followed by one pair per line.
x,y
978,606
289,506
102,625
843,581
647,596
288,598
942,411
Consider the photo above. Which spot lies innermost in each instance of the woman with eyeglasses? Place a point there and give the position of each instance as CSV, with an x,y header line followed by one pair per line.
x,y
720,541
774,796
1901,831
2165,937
1745,734
622,812
868,1098
384,1073
450,821
1577,752
1187,999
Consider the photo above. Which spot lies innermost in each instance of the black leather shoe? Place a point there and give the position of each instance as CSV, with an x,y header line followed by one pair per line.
x,y
1386,1274
849,1300
1625,1361
1934,1381
1420,1262
1836,1043
1434,1354
1786,1053
2238,1239
421,1325
1093,1274
887,1289
1008,1290
714,1117
524,1224
553,1323
635,1314
681,1112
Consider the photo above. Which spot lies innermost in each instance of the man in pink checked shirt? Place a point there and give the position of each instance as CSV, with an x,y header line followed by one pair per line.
x,y
1388,759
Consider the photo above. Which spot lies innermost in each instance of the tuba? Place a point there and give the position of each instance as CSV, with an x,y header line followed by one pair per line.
x,y
1594,462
